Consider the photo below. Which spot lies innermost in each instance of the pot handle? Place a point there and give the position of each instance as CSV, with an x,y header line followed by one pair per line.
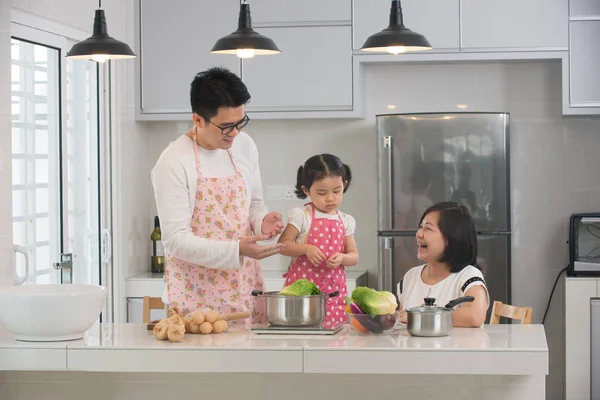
x,y
453,303
257,293
333,294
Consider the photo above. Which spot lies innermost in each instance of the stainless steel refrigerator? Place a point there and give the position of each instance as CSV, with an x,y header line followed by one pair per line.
x,y
426,158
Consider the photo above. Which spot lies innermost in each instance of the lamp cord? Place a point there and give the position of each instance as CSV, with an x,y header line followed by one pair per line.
x,y
99,3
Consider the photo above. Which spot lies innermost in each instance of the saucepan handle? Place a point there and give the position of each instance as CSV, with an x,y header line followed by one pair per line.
x,y
453,303
257,293
333,294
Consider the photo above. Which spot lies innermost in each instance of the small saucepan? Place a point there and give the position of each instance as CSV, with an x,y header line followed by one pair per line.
x,y
293,311
432,320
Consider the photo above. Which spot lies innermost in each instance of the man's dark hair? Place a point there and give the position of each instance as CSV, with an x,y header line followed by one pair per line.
x,y
215,88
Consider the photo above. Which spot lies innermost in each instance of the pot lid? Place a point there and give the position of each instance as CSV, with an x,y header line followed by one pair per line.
x,y
428,307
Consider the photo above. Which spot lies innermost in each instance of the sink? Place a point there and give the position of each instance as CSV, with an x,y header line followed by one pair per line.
x,y
46,313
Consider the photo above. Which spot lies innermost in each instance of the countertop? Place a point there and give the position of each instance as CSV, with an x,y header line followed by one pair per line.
x,y
490,350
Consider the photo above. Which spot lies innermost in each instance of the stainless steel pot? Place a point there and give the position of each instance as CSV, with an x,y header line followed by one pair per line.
x,y
294,310
432,320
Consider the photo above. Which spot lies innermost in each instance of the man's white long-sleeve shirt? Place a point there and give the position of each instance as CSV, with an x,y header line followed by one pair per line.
x,y
174,178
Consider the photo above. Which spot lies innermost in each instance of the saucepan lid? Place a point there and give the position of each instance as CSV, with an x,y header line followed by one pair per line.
x,y
430,307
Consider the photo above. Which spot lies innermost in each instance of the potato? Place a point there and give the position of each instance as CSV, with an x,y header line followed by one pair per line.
x,y
220,326
198,317
194,328
211,316
206,327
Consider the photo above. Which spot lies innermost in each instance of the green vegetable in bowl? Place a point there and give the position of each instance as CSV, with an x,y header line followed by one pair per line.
x,y
302,287
374,302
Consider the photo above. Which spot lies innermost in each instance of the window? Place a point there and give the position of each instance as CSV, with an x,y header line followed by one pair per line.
x,y
35,109
55,157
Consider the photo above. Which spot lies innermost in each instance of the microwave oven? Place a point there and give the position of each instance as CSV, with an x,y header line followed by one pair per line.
x,y
584,245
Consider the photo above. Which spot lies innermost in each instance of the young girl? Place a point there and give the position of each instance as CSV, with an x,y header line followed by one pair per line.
x,y
319,238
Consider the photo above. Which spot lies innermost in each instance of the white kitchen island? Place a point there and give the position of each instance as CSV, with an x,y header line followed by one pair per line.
x,y
124,361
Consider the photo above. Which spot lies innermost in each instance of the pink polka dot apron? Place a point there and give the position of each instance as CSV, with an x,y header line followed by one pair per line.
x,y
221,212
328,235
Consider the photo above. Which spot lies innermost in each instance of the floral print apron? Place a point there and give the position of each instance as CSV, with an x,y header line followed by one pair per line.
x,y
221,212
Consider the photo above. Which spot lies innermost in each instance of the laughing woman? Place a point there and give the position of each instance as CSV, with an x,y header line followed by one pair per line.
x,y
447,244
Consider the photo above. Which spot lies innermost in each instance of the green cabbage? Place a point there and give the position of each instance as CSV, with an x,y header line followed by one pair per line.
x,y
302,287
373,302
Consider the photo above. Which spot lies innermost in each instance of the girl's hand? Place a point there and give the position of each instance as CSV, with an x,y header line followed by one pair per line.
x,y
335,260
403,317
314,255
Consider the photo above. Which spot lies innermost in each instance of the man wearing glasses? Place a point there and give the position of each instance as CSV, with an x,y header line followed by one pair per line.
x,y
209,199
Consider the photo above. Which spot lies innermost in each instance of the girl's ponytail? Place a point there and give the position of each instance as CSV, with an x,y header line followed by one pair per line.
x,y
299,183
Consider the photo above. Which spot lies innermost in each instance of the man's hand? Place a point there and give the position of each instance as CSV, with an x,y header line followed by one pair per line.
x,y
272,224
249,247
335,260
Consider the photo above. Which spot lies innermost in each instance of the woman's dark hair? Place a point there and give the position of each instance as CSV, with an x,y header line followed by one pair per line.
x,y
215,88
318,167
457,227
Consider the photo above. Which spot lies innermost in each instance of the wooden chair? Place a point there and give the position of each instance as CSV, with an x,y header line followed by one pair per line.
x,y
151,303
507,311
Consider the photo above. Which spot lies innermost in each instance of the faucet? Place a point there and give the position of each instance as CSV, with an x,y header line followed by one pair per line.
x,y
66,268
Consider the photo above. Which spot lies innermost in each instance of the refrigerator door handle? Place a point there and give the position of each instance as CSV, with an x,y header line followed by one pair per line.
x,y
386,179
387,265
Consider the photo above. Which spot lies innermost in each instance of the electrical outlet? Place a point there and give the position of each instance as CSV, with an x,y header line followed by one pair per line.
x,y
289,193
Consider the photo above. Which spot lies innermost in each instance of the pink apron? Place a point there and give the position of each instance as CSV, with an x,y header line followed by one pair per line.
x,y
328,235
221,212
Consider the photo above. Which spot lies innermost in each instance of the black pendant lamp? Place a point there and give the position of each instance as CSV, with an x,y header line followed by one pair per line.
x,y
396,38
100,47
245,42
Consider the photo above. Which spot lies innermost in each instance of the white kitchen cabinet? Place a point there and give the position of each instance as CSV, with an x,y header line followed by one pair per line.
x,y
305,12
437,20
173,41
584,8
313,72
584,55
514,24
578,295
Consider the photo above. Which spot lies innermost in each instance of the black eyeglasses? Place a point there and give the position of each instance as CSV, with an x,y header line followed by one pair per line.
x,y
226,130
